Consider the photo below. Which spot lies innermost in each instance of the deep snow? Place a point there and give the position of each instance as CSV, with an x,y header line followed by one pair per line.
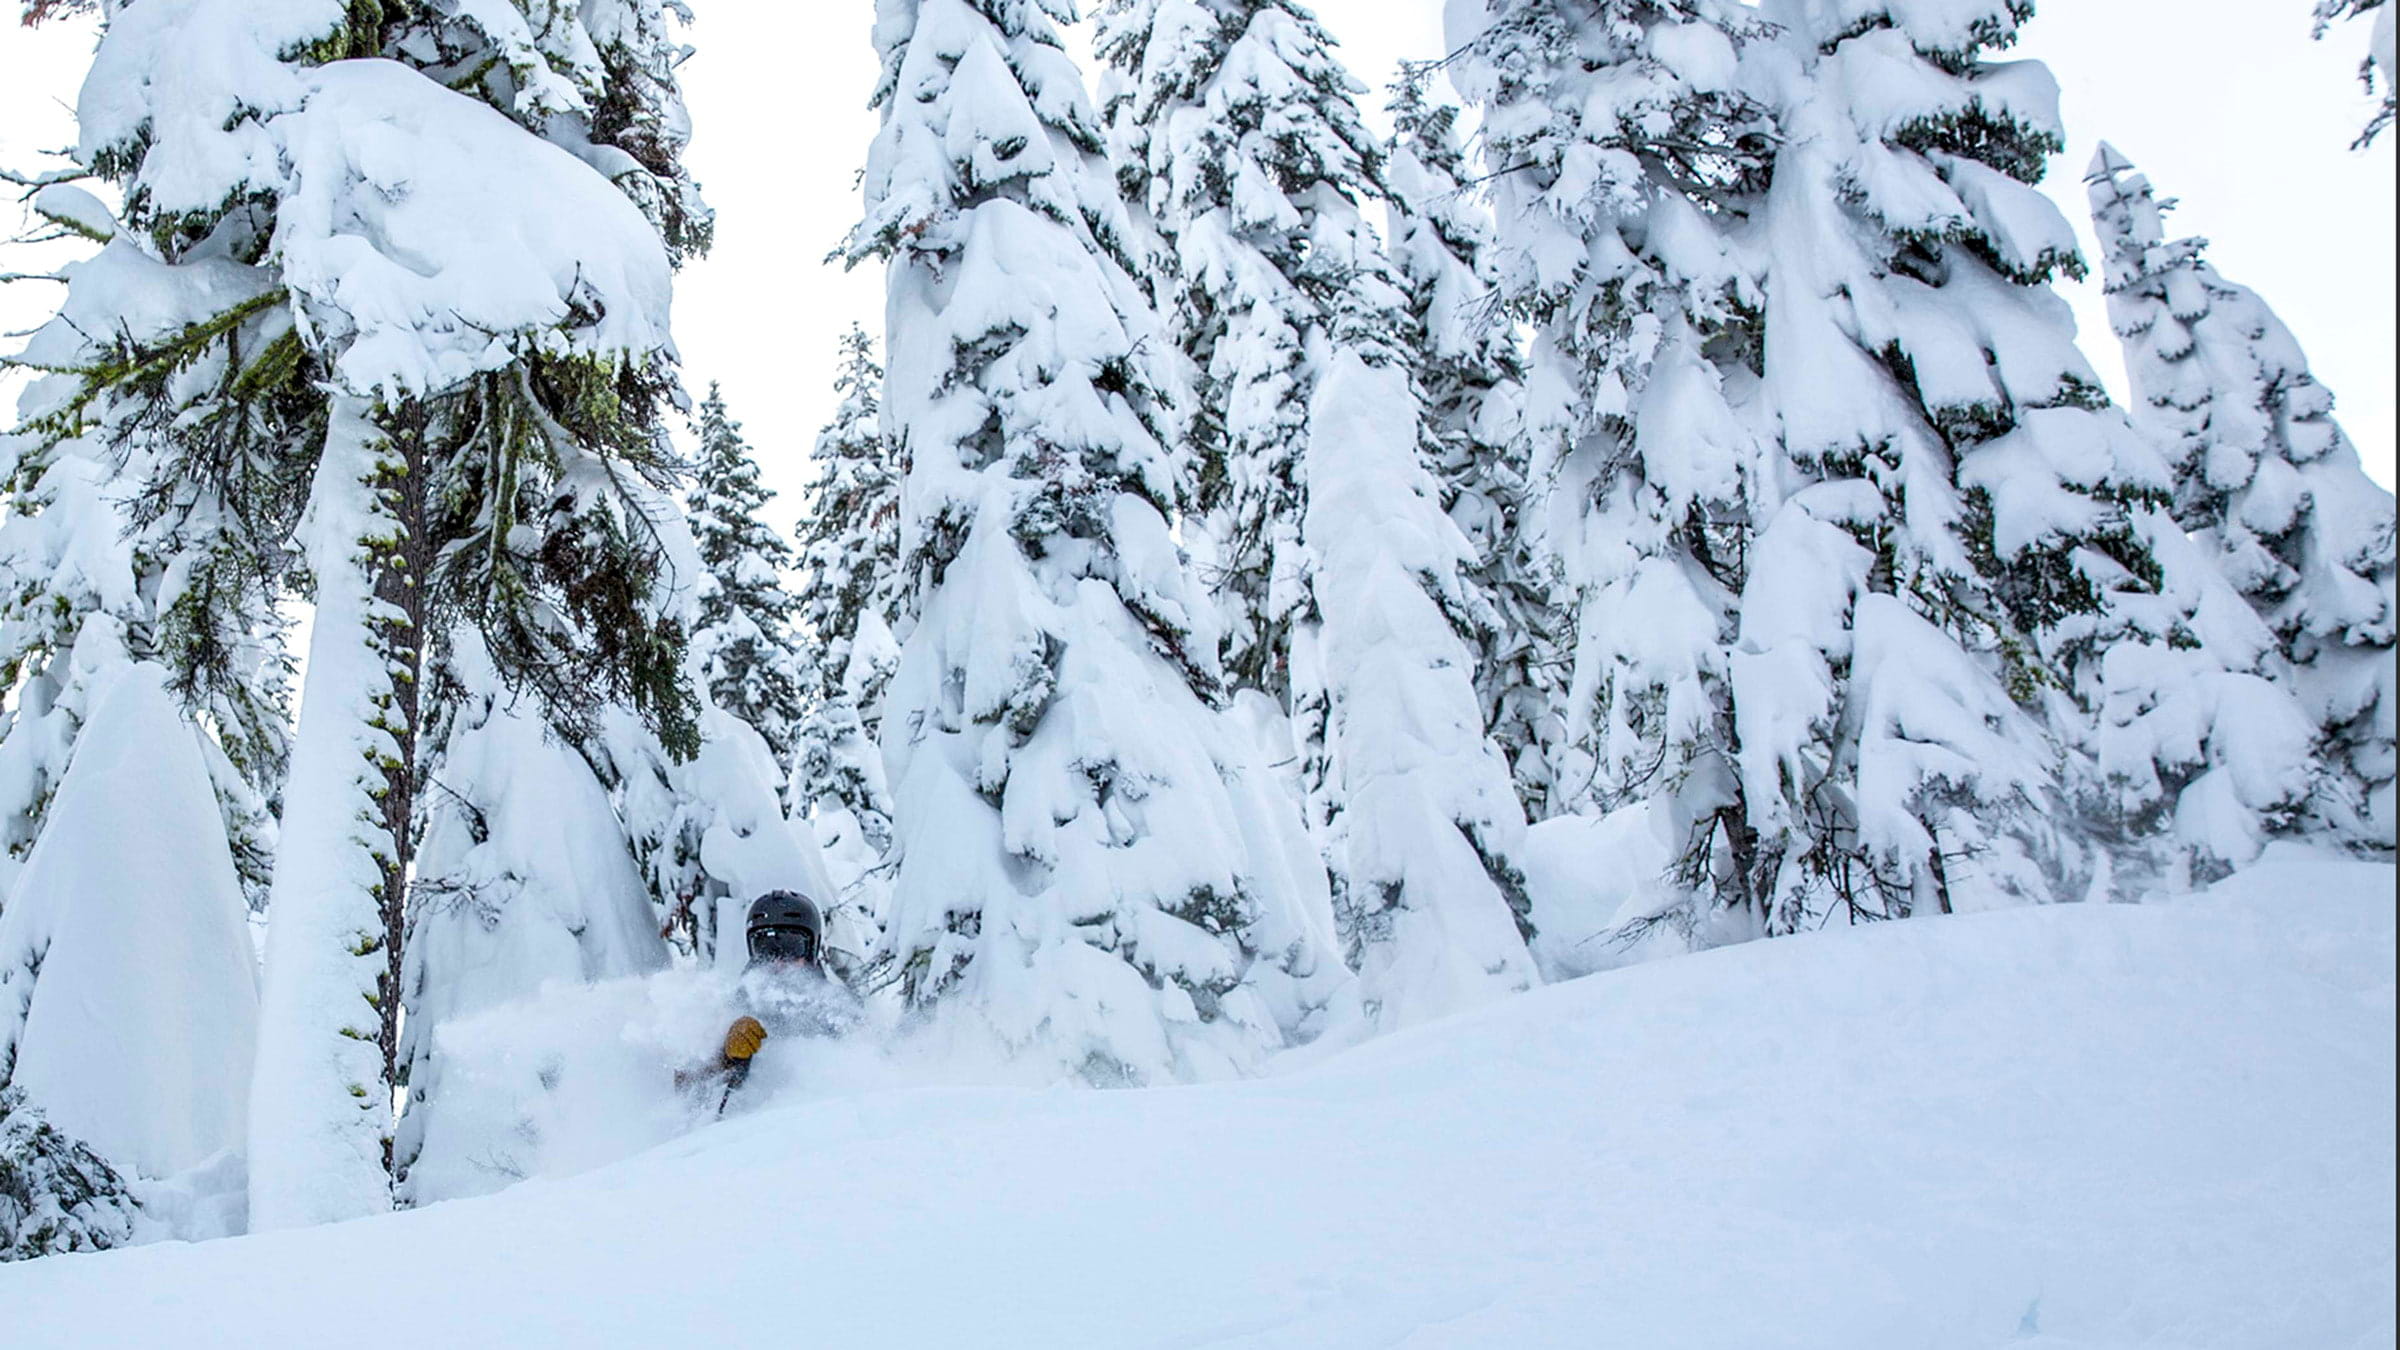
x,y
2070,1128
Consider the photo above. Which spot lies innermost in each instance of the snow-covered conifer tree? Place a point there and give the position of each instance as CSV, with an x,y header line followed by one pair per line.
x,y
2379,65
1959,505
1628,154
1248,145
743,634
162,576
1472,378
850,541
2266,483
1417,812
2204,753
850,606
56,1194
1238,132
1091,869
69,587
128,990
428,347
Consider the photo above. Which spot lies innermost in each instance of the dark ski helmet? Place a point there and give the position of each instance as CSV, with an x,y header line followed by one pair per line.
x,y
785,926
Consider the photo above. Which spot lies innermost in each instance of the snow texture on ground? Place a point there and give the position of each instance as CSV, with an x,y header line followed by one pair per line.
x,y
2070,1128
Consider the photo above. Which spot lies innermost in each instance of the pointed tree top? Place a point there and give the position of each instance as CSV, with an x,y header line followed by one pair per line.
x,y
2107,162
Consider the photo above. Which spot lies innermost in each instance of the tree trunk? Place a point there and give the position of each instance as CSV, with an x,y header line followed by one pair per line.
x,y
321,1094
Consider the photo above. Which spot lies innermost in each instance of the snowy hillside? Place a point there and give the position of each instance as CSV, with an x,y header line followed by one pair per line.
x,y
2086,1127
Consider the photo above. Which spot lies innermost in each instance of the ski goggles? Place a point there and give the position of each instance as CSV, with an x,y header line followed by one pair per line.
x,y
775,942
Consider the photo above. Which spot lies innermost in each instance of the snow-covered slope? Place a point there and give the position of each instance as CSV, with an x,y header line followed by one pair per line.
x,y
2076,1127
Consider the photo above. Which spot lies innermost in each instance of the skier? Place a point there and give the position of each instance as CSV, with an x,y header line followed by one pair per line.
x,y
785,990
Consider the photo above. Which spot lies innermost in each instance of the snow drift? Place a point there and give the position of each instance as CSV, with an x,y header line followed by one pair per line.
x,y
2082,1126
128,1002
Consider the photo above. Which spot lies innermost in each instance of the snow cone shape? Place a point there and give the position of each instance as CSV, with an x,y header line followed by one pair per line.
x,y
128,992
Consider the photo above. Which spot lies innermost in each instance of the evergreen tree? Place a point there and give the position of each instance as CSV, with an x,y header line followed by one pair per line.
x,y
71,613
56,1195
448,424
1629,158
742,636
1239,133
850,541
2265,482
850,546
1090,869
2204,752
2379,64
1253,159
147,577
1958,527
128,985
1472,377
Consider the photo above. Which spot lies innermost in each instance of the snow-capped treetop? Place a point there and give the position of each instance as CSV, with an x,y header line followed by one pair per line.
x,y
595,77
992,115
532,250
415,279
2216,370
969,51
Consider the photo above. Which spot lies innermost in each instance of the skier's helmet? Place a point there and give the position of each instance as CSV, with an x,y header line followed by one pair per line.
x,y
785,926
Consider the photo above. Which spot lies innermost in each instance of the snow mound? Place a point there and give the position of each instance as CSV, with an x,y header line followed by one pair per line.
x,y
2077,1126
130,999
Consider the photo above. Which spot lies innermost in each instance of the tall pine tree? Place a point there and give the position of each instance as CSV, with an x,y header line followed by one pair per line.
x,y
743,633
851,607
1629,157
1959,513
1090,870
2265,482
1244,137
159,575
852,602
1472,377
1239,134
450,429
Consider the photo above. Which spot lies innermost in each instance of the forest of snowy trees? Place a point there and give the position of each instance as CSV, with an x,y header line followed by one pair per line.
x,y
1266,582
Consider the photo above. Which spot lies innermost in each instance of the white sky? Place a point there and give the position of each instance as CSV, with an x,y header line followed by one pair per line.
x,y
2226,104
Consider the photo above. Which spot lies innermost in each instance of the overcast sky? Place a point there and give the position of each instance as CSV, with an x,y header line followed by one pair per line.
x,y
2227,104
